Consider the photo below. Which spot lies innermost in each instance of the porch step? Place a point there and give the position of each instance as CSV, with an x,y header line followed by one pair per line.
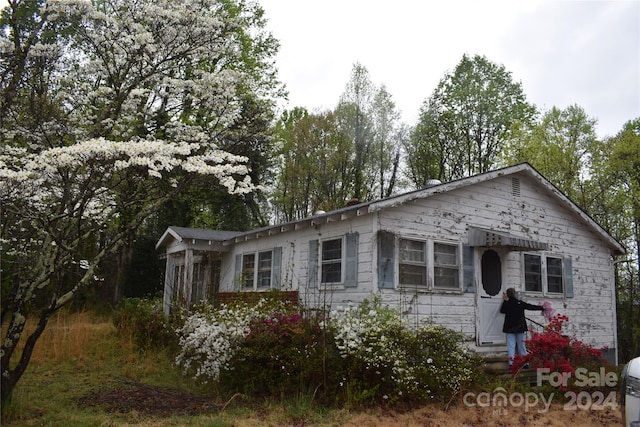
x,y
498,365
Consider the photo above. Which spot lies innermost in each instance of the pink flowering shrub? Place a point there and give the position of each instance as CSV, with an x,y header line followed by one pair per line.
x,y
280,354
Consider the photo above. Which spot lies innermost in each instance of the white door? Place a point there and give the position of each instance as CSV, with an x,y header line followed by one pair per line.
x,y
489,298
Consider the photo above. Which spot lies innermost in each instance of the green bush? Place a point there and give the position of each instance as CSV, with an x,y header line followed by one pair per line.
x,y
281,355
144,320
358,356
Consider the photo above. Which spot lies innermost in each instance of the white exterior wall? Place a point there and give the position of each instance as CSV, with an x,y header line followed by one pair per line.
x,y
531,212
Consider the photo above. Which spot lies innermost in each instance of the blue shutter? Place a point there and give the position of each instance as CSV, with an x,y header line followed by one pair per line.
x,y
237,278
351,261
568,277
313,264
468,273
276,268
386,260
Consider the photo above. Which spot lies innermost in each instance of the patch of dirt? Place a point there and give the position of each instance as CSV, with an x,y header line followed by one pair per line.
x,y
149,400
133,397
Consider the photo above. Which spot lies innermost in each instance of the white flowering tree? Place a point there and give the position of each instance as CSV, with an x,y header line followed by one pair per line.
x,y
107,110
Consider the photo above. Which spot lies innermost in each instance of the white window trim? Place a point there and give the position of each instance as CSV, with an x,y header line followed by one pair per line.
x,y
544,275
430,265
256,268
426,263
458,246
343,260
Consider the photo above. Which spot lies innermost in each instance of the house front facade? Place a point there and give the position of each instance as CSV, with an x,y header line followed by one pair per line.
x,y
444,253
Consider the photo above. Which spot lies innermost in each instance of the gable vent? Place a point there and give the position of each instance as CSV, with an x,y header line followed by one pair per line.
x,y
515,187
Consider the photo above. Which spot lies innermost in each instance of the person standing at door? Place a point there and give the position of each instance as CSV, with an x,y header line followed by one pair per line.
x,y
515,324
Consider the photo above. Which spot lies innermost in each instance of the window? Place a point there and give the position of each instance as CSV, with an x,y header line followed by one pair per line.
x,y
264,269
446,271
413,263
532,273
197,291
421,262
554,275
257,270
332,261
248,270
544,274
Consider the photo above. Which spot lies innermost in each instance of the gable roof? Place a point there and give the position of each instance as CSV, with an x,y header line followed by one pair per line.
x,y
393,201
184,233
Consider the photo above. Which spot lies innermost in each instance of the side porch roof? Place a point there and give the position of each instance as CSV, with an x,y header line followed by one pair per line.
x,y
195,235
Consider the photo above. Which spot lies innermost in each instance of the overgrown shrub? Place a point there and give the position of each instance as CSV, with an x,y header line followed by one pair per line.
x,y
360,355
557,352
281,354
387,361
210,337
144,320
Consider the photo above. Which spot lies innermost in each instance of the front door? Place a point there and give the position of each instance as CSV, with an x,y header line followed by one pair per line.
x,y
490,298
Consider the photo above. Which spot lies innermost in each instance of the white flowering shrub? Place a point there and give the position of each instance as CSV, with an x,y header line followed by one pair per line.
x,y
386,360
359,355
210,338
441,365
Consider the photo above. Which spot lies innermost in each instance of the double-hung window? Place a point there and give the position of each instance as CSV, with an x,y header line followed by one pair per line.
x,y
265,264
420,260
543,274
257,270
331,257
413,262
248,270
446,266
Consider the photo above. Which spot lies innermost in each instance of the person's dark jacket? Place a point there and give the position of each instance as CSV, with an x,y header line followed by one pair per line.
x,y
514,321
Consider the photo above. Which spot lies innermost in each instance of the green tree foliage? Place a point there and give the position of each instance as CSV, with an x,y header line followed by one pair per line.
x,y
367,115
354,117
617,207
329,158
559,146
465,122
315,169
389,138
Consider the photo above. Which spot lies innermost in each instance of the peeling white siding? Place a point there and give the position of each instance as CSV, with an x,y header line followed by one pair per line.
x,y
532,212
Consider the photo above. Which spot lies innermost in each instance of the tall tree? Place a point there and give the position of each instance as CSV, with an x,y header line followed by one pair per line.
x,y
354,115
197,71
467,119
560,147
315,165
388,142
108,109
616,169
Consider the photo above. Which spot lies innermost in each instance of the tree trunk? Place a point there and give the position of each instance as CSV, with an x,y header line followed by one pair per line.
x,y
122,264
11,376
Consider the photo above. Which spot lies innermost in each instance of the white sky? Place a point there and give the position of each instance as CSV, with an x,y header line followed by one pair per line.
x,y
564,52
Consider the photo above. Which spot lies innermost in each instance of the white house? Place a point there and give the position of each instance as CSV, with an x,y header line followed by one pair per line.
x,y
444,253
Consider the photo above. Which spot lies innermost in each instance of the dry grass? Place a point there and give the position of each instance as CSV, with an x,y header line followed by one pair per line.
x,y
71,337
80,354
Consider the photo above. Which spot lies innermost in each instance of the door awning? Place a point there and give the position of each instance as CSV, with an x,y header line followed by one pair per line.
x,y
488,238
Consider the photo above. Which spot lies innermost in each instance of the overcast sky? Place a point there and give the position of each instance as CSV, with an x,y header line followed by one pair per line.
x,y
563,52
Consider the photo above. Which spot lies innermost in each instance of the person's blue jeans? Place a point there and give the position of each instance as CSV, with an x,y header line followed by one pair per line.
x,y
513,341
